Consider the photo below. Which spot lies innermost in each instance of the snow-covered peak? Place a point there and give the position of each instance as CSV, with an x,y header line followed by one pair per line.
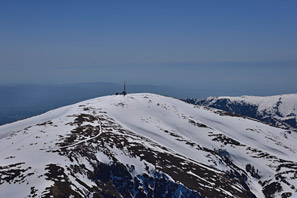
x,y
285,104
279,110
145,145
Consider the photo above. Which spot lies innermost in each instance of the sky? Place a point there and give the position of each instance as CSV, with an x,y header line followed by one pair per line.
x,y
218,47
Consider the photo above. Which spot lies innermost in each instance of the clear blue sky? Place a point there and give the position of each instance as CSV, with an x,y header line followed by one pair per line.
x,y
227,47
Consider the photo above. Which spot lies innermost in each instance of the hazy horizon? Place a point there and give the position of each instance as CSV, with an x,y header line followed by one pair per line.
x,y
20,101
209,47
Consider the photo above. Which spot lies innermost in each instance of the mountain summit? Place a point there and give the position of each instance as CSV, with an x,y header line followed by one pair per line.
x,y
145,145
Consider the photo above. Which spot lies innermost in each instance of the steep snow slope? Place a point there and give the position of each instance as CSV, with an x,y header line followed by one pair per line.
x,y
280,110
145,145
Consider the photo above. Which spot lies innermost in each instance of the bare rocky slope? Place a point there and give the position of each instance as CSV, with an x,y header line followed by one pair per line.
x,y
145,145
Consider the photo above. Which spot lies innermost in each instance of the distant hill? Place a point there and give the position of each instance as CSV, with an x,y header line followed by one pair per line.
x,y
279,110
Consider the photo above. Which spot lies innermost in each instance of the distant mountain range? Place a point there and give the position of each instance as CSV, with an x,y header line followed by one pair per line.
x,y
279,110
145,145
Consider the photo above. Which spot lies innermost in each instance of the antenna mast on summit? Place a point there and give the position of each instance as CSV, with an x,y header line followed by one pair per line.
x,y
124,92
125,87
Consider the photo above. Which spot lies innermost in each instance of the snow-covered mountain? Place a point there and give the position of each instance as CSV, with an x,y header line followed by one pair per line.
x,y
145,145
280,110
